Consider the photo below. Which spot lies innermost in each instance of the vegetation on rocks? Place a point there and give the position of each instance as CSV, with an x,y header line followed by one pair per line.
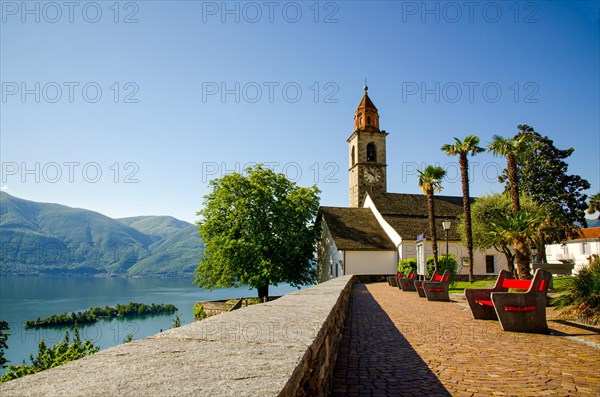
x,y
49,357
92,315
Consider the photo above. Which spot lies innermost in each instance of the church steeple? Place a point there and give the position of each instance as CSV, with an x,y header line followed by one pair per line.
x,y
366,156
366,117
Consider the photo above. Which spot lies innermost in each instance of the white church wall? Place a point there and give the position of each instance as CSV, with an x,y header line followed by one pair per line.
x,y
330,260
370,262
409,250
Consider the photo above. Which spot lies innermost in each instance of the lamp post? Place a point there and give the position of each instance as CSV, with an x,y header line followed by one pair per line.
x,y
446,225
534,253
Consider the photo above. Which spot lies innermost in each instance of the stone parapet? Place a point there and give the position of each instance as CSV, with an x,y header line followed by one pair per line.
x,y
282,348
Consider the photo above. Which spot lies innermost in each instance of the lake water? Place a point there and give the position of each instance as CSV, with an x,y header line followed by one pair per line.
x,y
27,298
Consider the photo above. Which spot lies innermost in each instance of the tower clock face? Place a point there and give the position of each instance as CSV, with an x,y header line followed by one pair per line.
x,y
372,174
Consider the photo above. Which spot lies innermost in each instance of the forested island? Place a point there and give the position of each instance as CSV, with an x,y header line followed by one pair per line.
x,y
92,315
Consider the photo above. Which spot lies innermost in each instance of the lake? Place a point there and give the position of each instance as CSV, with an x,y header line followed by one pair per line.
x,y
27,298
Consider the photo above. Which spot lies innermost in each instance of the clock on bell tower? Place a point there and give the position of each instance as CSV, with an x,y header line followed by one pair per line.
x,y
366,146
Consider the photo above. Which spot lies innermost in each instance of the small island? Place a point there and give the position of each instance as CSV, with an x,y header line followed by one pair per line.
x,y
92,315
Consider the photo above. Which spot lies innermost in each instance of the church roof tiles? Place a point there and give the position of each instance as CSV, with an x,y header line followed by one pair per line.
x,y
355,229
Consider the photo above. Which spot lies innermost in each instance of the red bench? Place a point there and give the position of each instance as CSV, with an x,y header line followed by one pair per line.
x,y
392,280
517,311
407,283
435,277
437,288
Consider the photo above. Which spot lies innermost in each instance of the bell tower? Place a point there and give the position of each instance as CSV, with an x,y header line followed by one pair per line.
x,y
366,145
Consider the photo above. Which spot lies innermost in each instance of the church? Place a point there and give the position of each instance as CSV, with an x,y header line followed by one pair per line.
x,y
380,228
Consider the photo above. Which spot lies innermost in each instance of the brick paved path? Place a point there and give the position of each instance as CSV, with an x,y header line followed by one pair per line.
x,y
396,344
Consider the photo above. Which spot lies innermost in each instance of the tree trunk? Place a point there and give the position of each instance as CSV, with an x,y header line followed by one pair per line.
x,y
510,259
432,231
263,293
522,257
464,172
513,181
541,248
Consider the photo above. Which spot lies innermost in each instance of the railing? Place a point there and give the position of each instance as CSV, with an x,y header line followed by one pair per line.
x,y
564,257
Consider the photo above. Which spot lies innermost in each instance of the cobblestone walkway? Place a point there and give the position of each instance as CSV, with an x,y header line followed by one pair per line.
x,y
397,344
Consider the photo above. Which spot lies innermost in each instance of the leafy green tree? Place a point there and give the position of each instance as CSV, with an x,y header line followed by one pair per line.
x,y
258,229
430,181
542,174
594,204
462,149
3,346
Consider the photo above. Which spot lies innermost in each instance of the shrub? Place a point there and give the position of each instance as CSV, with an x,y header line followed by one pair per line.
x,y
199,313
443,265
59,354
582,295
406,266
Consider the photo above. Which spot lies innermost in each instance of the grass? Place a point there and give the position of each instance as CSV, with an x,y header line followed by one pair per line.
x,y
460,286
560,283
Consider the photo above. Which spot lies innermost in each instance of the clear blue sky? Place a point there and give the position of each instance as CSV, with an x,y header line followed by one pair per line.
x,y
435,70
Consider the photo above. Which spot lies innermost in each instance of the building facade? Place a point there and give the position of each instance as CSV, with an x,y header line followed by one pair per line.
x,y
577,250
379,228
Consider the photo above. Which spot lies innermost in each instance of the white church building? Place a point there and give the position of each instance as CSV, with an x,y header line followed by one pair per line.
x,y
381,228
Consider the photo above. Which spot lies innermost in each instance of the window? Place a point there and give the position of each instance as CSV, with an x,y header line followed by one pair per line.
x,y
489,264
352,156
585,249
368,120
371,152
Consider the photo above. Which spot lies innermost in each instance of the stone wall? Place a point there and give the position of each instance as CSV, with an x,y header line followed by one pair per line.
x,y
282,348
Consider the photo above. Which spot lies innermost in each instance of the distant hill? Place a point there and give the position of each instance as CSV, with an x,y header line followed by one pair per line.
x,y
42,238
593,222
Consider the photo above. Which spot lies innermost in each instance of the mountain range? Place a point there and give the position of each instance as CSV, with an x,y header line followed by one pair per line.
x,y
52,239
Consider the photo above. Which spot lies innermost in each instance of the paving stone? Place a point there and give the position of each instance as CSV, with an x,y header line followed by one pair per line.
x,y
436,348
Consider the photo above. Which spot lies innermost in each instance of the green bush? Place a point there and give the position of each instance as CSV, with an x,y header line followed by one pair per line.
x,y
444,264
406,266
582,295
199,313
59,354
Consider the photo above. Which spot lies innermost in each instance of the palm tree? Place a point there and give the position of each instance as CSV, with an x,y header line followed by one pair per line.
x,y
509,148
518,228
462,149
430,181
500,146
594,205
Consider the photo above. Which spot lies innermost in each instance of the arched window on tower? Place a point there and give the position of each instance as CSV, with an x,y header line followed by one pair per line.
x,y
352,156
371,152
368,120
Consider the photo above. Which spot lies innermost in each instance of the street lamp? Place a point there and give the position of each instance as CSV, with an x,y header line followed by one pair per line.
x,y
446,225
